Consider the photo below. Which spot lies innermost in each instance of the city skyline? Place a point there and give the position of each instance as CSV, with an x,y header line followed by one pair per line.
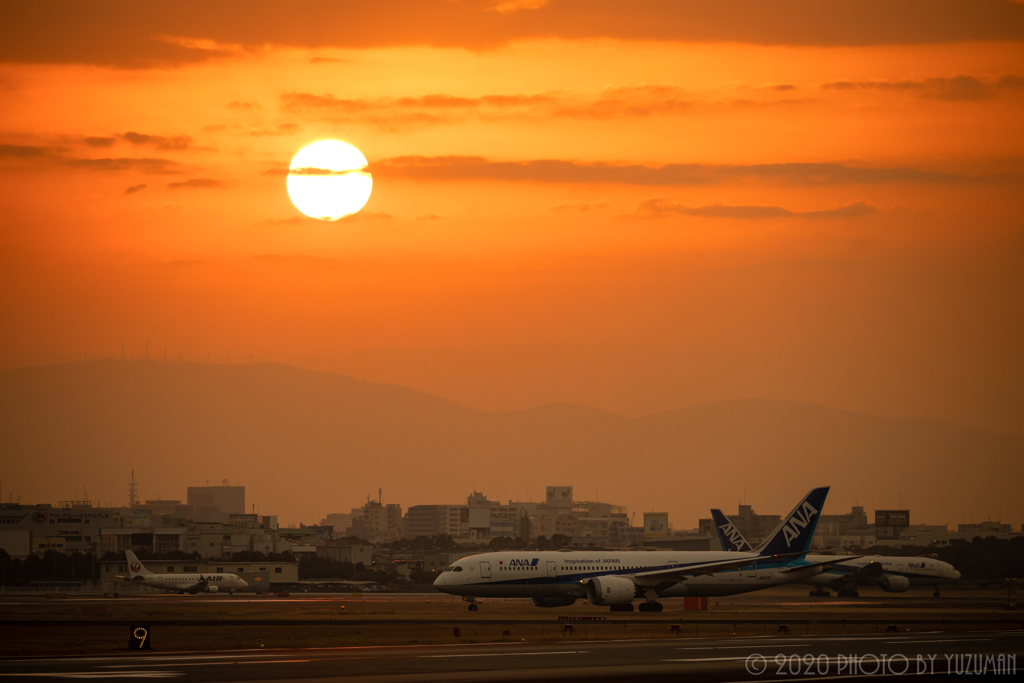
x,y
303,441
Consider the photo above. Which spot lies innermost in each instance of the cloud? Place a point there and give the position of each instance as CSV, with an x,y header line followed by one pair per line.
x,y
282,129
658,207
239,105
429,217
309,102
57,157
100,142
958,88
120,33
135,188
509,6
144,165
178,142
559,171
359,216
367,216
196,184
313,170
22,151
637,101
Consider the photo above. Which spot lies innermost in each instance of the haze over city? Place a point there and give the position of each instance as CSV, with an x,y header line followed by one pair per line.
x,y
673,256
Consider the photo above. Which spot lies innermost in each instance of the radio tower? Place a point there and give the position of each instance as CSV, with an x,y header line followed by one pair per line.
x,y
133,492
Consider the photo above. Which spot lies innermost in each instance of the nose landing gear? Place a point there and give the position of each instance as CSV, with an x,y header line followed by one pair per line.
x,y
472,602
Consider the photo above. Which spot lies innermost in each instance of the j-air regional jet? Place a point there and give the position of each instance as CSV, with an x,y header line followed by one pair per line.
x,y
616,578
182,583
891,574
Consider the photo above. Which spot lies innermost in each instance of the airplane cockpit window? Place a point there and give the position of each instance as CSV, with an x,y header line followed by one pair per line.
x,y
454,568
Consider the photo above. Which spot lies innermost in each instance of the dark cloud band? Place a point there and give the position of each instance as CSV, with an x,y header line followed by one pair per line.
x,y
126,33
558,171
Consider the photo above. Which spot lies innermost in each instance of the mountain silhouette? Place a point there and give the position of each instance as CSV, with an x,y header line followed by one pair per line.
x,y
308,443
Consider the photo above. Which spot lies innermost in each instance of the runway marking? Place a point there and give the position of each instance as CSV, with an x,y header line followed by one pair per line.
x,y
105,674
948,640
507,654
743,647
274,661
709,659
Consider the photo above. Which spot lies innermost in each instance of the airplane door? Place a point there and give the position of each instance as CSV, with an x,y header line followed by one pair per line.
x,y
551,568
752,571
485,570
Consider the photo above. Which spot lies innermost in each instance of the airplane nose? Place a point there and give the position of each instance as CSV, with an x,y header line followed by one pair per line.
x,y
439,581
956,575
245,584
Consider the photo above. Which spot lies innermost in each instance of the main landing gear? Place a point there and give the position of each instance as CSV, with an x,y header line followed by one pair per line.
x,y
651,607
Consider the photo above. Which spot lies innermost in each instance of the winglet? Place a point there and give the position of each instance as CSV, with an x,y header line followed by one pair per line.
x,y
795,531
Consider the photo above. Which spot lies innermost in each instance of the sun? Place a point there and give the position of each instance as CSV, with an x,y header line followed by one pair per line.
x,y
326,180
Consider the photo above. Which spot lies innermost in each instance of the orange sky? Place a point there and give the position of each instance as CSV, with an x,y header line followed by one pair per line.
x,y
634,206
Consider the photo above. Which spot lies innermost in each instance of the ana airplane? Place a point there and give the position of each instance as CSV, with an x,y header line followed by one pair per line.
x,y
182,583
891,574
617,578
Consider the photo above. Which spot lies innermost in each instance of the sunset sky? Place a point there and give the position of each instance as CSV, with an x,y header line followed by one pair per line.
x,y
631,206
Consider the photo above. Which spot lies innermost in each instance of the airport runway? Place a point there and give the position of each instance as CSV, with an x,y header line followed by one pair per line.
x,y
937,655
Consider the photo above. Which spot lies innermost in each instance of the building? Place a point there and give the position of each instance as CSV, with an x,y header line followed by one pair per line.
x,y
378,522
210,503
72,526
480,520
890,524
354,554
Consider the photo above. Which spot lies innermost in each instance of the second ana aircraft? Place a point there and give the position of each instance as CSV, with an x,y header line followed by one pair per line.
x,y
891,574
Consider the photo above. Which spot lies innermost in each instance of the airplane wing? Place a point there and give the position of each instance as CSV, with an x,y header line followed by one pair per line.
x,y
199,586
872,570
680,574
827,563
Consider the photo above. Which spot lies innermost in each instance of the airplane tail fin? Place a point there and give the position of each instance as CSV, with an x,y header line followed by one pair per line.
x,y
135,567
730,537
794,533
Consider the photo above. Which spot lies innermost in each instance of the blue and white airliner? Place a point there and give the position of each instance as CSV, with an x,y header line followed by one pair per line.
x,y
891,574
616,578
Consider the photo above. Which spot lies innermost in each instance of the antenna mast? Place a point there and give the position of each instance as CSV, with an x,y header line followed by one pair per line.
x,y
133,492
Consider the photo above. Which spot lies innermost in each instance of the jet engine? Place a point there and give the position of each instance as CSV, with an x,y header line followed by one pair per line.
x,y
610,590
552,602
894,584
211,589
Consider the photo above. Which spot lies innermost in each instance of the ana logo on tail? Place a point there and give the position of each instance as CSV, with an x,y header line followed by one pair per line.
x,y
797,522
733,535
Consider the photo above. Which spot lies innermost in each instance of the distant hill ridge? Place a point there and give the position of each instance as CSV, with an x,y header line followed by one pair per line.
x,y
306,443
